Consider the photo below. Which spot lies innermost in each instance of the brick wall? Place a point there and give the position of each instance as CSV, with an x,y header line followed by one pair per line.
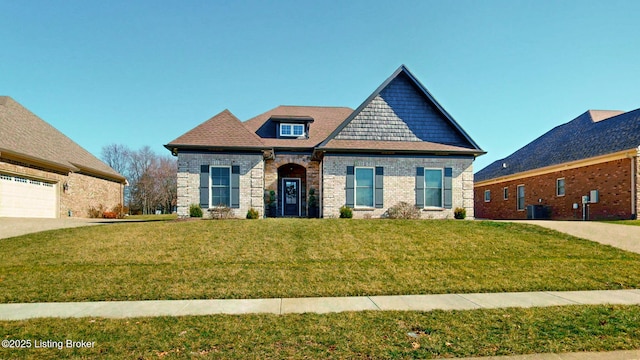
x,y
399,183
251,180
83,191
86,191
612,179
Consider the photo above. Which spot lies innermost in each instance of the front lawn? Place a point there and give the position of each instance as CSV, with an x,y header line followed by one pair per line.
x,y
366,335
300,258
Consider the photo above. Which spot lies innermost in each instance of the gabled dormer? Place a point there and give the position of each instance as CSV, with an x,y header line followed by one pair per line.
x,y
291,127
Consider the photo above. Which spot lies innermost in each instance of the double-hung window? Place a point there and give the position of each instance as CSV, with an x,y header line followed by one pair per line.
x,y
520,197
560,187
433,187
220,186
364,189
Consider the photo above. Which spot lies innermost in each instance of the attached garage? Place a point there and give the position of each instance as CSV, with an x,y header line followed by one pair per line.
x,y
22,197
44,174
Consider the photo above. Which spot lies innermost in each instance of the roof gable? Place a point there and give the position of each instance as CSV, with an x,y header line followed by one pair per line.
x,y
401,109
26,136
222,130
594,133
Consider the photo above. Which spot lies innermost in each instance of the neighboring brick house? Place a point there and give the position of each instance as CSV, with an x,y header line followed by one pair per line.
x,y
399,145
45,174
594,155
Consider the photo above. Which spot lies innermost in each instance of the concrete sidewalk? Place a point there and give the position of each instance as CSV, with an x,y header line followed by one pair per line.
x,y
127,309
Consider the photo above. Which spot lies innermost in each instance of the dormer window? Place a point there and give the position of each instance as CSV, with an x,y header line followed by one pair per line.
x,y
292,130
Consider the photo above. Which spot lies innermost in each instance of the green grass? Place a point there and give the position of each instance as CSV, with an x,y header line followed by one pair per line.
x,y
153,217
625,222
378,335
302,258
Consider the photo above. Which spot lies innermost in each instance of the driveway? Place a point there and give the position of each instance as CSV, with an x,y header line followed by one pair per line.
x,y
625,237
10,227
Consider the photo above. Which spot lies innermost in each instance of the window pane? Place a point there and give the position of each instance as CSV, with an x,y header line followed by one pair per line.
x,y
364,187
220,186
433,178
285,129
560,187
433,187
433,197
364,177
298,130
520,198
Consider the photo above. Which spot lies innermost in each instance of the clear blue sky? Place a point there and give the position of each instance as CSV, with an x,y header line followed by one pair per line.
x,y
144,72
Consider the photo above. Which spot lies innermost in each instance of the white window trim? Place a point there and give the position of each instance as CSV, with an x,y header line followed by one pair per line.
x,y
211,206
505,193
355,187
558,188
524,205
487,192
429,207
292,131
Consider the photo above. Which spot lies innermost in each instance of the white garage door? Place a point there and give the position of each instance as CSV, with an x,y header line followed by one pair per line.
x,y
22,197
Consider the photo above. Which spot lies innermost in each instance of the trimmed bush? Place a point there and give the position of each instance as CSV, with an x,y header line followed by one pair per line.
x,y
252,214
460,213
403,210
195,210
346,212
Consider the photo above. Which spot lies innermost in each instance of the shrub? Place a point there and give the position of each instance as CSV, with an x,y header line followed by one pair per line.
x,y
120,211
252,214
195,210
221,212
346,212
312,197
109,215
460,213
403,210
96,212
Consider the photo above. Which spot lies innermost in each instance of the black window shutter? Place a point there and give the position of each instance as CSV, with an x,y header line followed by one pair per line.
x,y
420,187
350,181
448,191
235,186
379,185
204,186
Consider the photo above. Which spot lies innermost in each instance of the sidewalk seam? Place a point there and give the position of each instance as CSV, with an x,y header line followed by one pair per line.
x,y
374,303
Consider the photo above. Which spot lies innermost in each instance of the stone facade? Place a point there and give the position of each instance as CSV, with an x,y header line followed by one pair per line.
x,y
399,183
82,191
612,179
252,178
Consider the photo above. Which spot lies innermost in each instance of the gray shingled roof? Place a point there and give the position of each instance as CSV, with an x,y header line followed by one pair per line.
x,y
591,134
402,110
25,135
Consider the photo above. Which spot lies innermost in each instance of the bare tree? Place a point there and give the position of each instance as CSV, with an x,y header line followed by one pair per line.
x,y
152,178
116,156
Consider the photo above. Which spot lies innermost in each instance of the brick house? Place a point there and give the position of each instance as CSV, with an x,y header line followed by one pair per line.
x,y
587,168
45,174
398,145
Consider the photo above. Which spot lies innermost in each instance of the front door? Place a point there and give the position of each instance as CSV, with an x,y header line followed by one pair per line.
x,y
291,197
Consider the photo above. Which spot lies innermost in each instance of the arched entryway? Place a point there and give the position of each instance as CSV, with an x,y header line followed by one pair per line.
x,y
292,190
